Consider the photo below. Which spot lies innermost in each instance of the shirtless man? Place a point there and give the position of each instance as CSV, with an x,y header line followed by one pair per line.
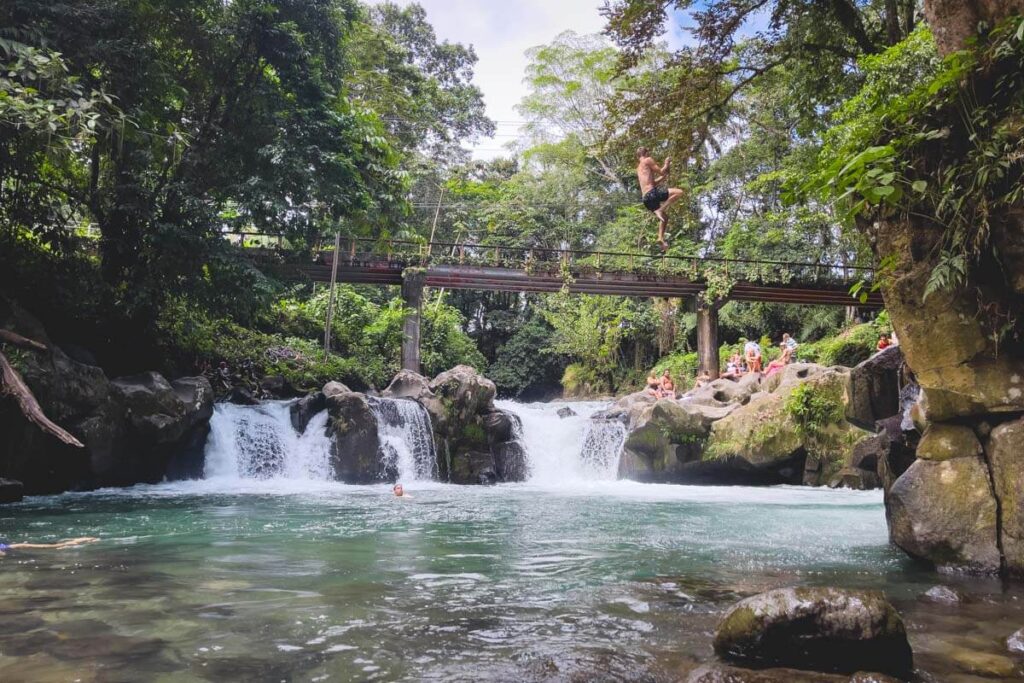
x,y
656,199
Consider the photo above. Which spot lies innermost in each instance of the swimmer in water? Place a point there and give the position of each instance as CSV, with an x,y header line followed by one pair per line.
x,y
400,492
70,543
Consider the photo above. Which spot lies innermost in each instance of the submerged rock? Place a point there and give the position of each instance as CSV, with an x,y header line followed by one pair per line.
x,y
720,673
821,629
565,412
944,512
943,595
1015,643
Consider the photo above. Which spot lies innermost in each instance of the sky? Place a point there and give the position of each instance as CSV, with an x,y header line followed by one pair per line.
x,y
501,31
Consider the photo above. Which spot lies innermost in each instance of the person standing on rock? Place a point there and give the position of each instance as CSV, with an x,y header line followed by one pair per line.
x,y
655,198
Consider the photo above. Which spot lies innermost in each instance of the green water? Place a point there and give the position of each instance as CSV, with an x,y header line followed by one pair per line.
x,y
301,581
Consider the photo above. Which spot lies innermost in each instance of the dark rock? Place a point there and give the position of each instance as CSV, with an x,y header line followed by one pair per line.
x,y
154,411
242,396
854,478
821,629
11,491
899,451
874,388
79,354
196,394
944,512
473,467
303,410
943,595
355,443
510,462
277,386
566,411
501,426
867,452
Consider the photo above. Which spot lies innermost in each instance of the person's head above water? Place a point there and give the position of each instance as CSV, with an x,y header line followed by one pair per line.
x,y
643,153
399,491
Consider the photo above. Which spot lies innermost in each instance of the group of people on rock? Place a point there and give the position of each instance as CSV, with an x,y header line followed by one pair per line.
x,y
661,387
751,360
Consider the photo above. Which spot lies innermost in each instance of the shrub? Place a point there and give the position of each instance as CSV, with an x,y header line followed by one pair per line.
x,y
582,381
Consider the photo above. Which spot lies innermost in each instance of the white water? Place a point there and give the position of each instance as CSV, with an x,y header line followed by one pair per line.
x,y
406,439
259,442
568,450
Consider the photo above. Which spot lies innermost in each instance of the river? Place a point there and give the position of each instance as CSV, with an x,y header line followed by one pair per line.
x,y
569,576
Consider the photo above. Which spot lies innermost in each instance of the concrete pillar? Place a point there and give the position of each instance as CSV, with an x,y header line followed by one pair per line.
x,y
413,281
707,340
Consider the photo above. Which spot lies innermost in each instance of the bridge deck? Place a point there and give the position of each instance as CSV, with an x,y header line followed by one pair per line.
x,y
381,271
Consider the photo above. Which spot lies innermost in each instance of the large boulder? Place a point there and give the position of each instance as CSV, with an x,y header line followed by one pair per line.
x,y
874,389
11,491
408,384
355,443
821,629
1006,454
464,392
944,512
945,441
154,411
724,391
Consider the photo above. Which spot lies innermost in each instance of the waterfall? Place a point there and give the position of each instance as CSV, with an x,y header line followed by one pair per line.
x,y
407,450
259,442
569,449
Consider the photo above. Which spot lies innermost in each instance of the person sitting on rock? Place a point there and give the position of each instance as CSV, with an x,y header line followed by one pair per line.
x,y
653,385
780,362
884,342
70,543
752,354
702,380
789,341
668,387
734,368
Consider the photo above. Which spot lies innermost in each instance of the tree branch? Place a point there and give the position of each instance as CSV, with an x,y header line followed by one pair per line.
x,y
11,384
8,337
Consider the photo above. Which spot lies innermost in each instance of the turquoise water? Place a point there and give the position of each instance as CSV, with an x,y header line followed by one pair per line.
x,y
293,580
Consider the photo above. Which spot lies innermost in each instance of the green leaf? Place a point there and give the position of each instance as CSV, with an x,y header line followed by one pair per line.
x,y
919,186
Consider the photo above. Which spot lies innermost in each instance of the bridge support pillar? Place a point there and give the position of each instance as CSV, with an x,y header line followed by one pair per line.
x,y
707,340
413,282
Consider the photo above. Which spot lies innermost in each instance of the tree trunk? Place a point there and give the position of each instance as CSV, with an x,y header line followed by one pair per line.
x,y
953,22
11,384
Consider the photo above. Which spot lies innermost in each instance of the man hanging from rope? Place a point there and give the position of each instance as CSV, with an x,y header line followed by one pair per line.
x,y
656,199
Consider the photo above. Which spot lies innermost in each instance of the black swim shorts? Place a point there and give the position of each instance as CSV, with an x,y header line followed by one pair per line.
x,y
655,198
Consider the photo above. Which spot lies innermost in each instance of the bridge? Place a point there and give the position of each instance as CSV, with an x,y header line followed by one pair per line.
x,y
708,282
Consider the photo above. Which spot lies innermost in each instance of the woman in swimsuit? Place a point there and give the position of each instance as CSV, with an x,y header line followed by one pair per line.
x,y
70,543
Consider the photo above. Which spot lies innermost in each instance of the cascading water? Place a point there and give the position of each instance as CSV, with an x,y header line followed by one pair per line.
x,y
406,439
568,449
259,442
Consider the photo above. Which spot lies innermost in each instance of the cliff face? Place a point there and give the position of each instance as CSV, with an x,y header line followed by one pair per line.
x,y
957,505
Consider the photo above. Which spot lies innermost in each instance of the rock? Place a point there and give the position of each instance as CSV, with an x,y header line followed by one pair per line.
x,y
874,389
662,437
501,426
510,462
355,443
899,454
867,452
277,386
722,391
565,412
795,373
1006,454
945,441
153,409
303,410
1015,643
943,595
466,391
196,395
11,491
869,677
242,396
408,384
334,389
984,664
854,478
473,467
821,629
944,512
720,673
